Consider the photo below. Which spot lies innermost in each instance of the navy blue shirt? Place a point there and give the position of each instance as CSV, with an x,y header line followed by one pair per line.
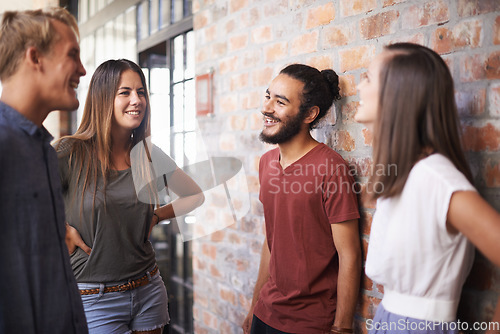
x,y
38,292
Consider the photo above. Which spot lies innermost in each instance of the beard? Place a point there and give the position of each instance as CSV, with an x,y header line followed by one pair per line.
x,y
289,129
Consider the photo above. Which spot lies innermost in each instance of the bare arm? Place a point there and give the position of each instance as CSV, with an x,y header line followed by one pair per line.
x,y
190,196
346,239
470,214
261,280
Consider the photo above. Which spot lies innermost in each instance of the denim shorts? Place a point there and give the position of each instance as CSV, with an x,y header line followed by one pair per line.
x,y
386,322
142,309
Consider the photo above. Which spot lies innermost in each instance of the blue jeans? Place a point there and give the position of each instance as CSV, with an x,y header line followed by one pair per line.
x,y
142,309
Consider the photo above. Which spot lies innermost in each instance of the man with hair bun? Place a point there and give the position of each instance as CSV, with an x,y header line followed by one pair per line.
x,y
40,69
310,264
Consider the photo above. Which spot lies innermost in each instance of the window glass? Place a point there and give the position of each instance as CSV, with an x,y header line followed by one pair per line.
x,y
189,55
178,58
154,15
166,7
178,10
143,19
130,31
83,10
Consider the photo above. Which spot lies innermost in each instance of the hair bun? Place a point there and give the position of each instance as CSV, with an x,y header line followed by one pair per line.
x,y
333,82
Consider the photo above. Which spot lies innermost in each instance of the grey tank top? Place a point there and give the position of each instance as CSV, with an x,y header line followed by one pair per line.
x,y
116,228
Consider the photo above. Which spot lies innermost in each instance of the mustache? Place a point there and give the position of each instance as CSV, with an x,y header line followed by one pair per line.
x,y
271,116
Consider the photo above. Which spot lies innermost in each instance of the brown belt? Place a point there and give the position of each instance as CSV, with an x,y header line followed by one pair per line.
x,y
144,280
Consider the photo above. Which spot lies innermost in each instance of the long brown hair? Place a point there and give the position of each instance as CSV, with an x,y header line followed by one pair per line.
x,y
90,151
417,115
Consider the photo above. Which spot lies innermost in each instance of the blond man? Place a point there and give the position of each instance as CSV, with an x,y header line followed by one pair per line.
x,y
40,68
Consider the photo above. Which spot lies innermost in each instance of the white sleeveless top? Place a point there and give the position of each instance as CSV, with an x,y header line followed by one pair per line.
x,y
421,266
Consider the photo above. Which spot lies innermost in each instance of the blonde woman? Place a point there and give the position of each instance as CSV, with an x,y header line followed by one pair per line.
x,y
114,262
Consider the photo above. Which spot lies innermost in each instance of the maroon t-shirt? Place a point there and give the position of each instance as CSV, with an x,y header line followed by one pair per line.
x,y
300,203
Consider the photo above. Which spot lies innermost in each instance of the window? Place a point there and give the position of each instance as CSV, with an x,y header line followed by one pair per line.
x,y
170,70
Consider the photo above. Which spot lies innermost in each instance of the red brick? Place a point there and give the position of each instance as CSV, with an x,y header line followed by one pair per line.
x,y
238,122
366,283
201,55
239,81
210,33
366,202
432,12
275,8
228,295
367,306
234,239
238,42
477,7
486,138
417,38
251,58
323,62
364,248
368,136
388,3
262,34
306,43
214,272
493,66
463,35
442,40
379,25
244,302
471,101
209,251
236,5
337,36
347,84
365,223
209,319
218,236
230,26
360,167
494,100
201,19
228,64
219,49
196,6
492,173
344,141
256,124
253,183
354,58
320,15
251,100
228,103
348,111
496,31
262,77
275,52
472,68
354,7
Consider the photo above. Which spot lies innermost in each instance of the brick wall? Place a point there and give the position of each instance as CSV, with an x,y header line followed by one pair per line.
x,y
247,42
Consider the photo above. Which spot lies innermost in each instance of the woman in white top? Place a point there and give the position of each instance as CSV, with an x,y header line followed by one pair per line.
x,y
429,216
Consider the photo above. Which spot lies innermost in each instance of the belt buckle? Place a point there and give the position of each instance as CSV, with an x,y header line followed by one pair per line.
x,y
124,287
